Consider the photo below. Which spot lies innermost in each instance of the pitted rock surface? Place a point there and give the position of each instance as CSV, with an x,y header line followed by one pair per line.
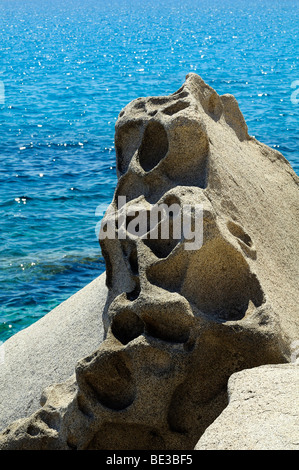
x,y
178,322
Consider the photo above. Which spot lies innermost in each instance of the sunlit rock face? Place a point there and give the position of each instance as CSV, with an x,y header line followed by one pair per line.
x,y
216,295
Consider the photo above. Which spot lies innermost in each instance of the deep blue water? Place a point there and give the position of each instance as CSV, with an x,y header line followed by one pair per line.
x,y
67,69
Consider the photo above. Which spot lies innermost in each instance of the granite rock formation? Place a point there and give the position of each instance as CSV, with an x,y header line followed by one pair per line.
x,y
179,321
48,350
262,414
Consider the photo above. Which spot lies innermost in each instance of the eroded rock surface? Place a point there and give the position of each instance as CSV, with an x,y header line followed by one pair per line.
x,y
48,350
263,411
179,322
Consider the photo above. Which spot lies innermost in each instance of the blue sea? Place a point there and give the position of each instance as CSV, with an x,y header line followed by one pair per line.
x,y
67,68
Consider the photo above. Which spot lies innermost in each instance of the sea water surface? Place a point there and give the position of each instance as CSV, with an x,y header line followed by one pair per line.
x,y
66,70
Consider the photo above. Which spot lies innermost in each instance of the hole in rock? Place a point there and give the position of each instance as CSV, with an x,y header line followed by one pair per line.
x,y
154,146
139,105
33,430
161,247
171,199
110,381
126,326
171,334
50,418
134,294
166,234
127,141
129,250
169,273
133,262
238,232
216,279
109,269
168,322
158,100
183,94
175,108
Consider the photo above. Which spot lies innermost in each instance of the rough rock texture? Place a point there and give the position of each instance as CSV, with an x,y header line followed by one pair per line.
x,y
178,322
47,351
263,412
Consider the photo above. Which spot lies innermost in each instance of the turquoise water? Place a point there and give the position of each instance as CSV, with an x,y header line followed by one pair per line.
x,y
67,69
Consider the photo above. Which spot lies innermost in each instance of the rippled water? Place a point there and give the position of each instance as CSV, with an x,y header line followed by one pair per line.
x,y
67,69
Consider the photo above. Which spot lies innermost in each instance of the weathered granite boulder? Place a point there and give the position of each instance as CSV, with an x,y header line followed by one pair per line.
x,y
187,310
262,414
47,351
